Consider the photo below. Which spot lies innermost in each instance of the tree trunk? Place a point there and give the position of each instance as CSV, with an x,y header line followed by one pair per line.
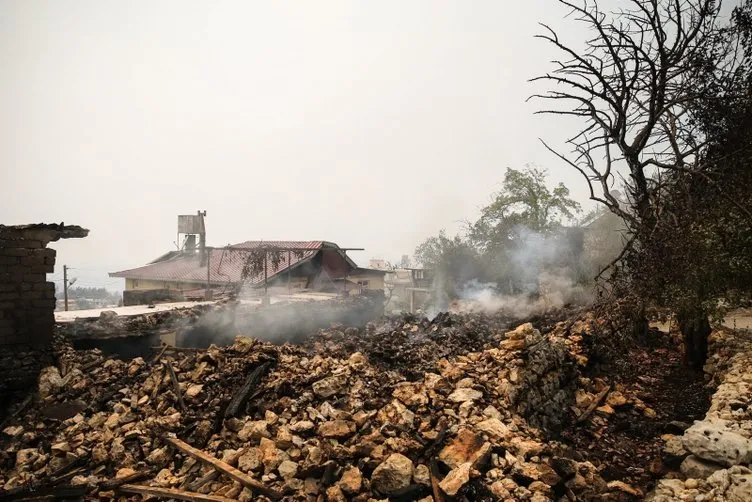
x,y
695,328
640,324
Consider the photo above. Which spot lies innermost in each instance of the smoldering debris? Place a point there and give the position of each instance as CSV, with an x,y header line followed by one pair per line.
x,y
219,324
534,273
315,421
554,292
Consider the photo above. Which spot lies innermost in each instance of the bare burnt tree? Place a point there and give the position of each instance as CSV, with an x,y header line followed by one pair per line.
x,y
635,85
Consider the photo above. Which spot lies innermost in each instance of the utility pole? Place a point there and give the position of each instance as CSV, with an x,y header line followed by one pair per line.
x,y
65,286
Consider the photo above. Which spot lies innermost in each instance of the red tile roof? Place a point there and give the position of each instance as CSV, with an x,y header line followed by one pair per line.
x,y
225,264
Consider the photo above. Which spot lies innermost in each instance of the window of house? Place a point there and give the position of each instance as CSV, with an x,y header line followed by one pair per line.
x,y
363,284
419,274
135,283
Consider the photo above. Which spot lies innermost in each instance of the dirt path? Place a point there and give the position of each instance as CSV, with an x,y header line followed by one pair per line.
x,y
626,445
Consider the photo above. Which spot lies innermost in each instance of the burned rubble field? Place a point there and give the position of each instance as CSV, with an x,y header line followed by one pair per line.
x,y
461,407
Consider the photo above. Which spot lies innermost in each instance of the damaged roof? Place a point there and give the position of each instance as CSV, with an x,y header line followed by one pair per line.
x,y
226,264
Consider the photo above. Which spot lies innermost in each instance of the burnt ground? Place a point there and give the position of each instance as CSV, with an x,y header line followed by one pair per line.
x,y
627,446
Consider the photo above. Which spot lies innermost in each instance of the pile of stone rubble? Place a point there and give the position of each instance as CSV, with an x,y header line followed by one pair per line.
x,y
350,415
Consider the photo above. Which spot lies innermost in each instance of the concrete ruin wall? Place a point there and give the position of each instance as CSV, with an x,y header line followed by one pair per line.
x,y
27,300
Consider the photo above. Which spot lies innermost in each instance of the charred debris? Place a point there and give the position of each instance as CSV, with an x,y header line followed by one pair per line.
x,y
465,406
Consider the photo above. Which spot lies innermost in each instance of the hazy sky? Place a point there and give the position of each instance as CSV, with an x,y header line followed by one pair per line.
x,y
370,124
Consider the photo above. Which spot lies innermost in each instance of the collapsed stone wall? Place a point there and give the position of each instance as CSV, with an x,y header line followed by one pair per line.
x,y
544,386
27,300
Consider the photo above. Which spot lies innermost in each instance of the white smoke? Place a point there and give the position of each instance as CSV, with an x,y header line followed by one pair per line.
x,y
555,291
543,273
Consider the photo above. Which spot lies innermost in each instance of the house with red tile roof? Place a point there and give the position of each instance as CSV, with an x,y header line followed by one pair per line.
x,y
250,265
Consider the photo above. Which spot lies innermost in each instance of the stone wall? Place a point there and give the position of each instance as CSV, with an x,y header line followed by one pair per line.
x,y
27,300
714,454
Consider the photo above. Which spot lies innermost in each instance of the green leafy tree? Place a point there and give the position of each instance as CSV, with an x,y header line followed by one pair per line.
x,y
523,201
522,215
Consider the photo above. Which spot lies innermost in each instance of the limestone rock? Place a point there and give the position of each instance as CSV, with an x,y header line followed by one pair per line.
x,y
334,494
673,451
124,473
735,484
26,456
330,386
396,413
456,479
50,381
464,394
494,428
466,447
337,429
411,394
712,440
287,469
616,399
271,456
284,439
422,475
60,448
159,457
520,332
302,426
392,474
193,391
696,468
254,430
626,488
13,431
351,481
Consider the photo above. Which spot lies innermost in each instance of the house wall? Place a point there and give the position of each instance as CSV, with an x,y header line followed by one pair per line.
x,y
375,280
27,303
148,284
145,284
282,283
145,291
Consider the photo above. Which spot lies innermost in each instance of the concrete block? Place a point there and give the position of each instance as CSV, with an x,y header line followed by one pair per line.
x,y
44,303
15,252
45,269
32,260
15,275
23,243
